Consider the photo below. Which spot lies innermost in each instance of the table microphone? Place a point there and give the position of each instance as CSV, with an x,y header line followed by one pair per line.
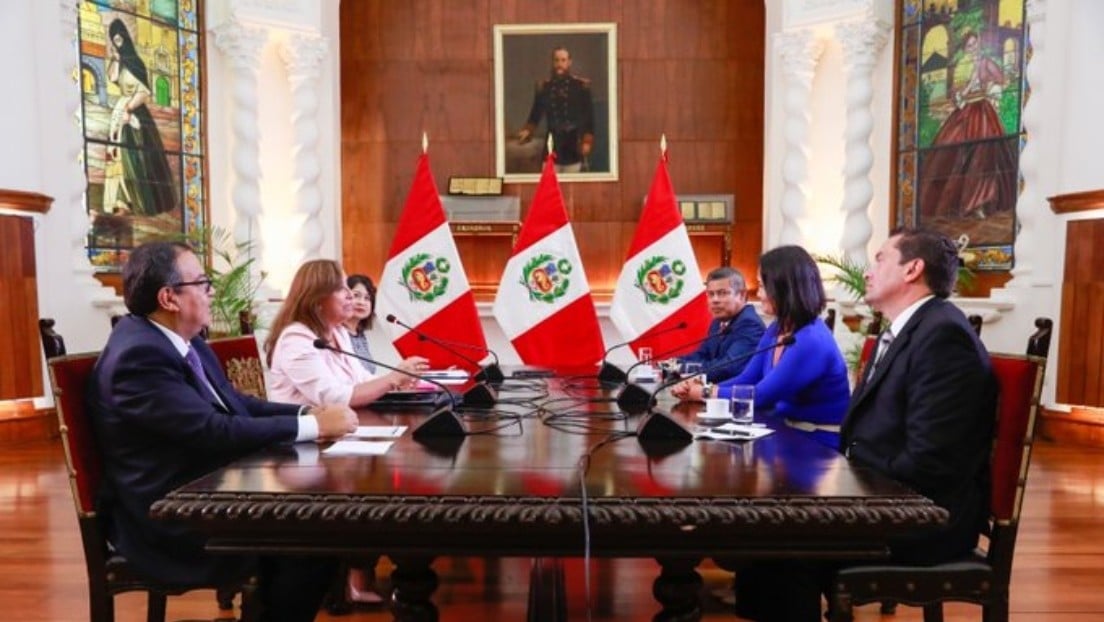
x,y
634,399
491,373
443,422
612,373
666,353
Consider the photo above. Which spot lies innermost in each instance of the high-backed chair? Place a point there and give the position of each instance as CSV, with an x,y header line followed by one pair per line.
x,y
241,360
984,576
52,343
975,322
108,572
1038,344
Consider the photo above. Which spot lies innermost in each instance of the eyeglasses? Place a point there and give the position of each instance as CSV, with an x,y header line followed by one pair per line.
x,y
205,283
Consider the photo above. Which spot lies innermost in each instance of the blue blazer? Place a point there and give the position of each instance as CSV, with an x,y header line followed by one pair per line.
x,y
157,430
736,345
925,418
809,383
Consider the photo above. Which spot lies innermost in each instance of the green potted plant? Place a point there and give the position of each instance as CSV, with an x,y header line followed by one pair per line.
x,y
229,267
849,276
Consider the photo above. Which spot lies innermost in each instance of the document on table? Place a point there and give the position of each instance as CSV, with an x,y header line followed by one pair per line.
x,y
732,432
379,431
358,448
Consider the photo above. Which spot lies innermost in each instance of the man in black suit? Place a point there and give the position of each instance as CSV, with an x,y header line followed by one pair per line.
x,y
922,414
924,408
165,414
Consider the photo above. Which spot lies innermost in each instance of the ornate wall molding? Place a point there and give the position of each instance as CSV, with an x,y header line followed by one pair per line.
x,y
242,46
302,55
862,42
1031,203
799,51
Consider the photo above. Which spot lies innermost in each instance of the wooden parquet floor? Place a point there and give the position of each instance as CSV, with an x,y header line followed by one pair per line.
x,y
1058,574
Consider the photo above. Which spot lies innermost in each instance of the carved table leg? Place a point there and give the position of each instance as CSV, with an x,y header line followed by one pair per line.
x,y
414,582
547,599
678,589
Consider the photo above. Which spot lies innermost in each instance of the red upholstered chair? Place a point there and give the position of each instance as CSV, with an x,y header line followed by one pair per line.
x,y
241,361
108,573
984,576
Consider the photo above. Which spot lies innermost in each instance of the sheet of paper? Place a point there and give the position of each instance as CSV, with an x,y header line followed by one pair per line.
x,y
379,431
358,448
445,376
732,432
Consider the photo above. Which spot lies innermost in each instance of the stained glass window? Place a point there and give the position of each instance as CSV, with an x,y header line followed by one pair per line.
x,y
960,94
140,66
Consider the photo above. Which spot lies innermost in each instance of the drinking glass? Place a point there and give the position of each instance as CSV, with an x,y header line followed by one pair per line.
x,y
742,403
691,369
645,355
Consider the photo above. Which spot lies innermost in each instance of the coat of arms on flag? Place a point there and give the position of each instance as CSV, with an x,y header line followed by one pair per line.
x,y
660,278
425,277
546,277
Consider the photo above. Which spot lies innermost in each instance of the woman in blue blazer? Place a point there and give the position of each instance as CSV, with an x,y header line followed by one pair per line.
x,y
804,383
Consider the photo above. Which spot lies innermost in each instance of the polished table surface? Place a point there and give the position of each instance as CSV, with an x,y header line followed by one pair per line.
x,y
518,482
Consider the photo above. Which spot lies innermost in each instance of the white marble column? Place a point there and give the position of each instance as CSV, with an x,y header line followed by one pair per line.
x,y
302,55
799,50
1032,203
242,46
862,42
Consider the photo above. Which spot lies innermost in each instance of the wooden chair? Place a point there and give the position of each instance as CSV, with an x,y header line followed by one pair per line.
x,y
976,322
241,360
108,572
1038,344
52,343
984,576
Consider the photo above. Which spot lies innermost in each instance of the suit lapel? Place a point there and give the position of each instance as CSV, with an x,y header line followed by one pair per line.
x,y
899,343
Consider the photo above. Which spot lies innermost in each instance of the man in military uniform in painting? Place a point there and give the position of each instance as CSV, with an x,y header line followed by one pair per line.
x,y
564,101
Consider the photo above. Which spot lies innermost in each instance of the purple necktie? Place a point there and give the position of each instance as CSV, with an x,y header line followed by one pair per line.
x,y
192,358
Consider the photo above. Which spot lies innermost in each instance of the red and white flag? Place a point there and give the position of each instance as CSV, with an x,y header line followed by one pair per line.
x,y
543,302
660,284
424,284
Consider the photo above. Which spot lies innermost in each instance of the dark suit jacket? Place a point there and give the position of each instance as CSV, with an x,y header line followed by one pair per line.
x,y
157,430
735,346
925,418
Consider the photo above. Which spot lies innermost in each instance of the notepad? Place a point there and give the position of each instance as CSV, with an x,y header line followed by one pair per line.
x,y
379,431
732,432
358,448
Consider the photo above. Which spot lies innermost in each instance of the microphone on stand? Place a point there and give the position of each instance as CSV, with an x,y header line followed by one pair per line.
x,y
443,422
612,373
662,355
635,399
492,373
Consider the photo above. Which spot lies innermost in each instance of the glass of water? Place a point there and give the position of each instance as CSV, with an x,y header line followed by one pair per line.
x,y
742,403
645,355
691,368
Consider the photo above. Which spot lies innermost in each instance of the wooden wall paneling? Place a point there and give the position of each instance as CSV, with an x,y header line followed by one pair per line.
x,y
692,70
1081,345
20,355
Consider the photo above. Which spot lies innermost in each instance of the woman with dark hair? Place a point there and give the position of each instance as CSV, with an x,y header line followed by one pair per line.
x,y
364,311
804,383
147,180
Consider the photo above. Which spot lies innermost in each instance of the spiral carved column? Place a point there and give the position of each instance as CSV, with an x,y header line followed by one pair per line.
x,y
862,41
800,51
242,46
302,54
1031,202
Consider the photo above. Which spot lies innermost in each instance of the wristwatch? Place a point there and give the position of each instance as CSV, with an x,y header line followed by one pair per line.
x,y
707,391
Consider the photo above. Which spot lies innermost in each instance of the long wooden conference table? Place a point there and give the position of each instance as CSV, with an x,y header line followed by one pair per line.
x,y
518,483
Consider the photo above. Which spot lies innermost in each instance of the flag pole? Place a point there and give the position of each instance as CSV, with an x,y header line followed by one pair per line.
x,y
663,145
425,143
550,143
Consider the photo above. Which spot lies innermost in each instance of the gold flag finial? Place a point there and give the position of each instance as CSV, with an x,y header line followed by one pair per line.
x,y
425,142
663,144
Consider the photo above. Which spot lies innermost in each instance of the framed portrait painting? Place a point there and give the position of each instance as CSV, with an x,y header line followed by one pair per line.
x,y
558,81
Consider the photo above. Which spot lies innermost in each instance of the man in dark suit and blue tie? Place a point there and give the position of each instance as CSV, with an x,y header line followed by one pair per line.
x,y
165,414
734,332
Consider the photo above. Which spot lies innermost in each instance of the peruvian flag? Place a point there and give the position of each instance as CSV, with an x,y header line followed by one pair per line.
x,y
543,303
424,284
660,285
